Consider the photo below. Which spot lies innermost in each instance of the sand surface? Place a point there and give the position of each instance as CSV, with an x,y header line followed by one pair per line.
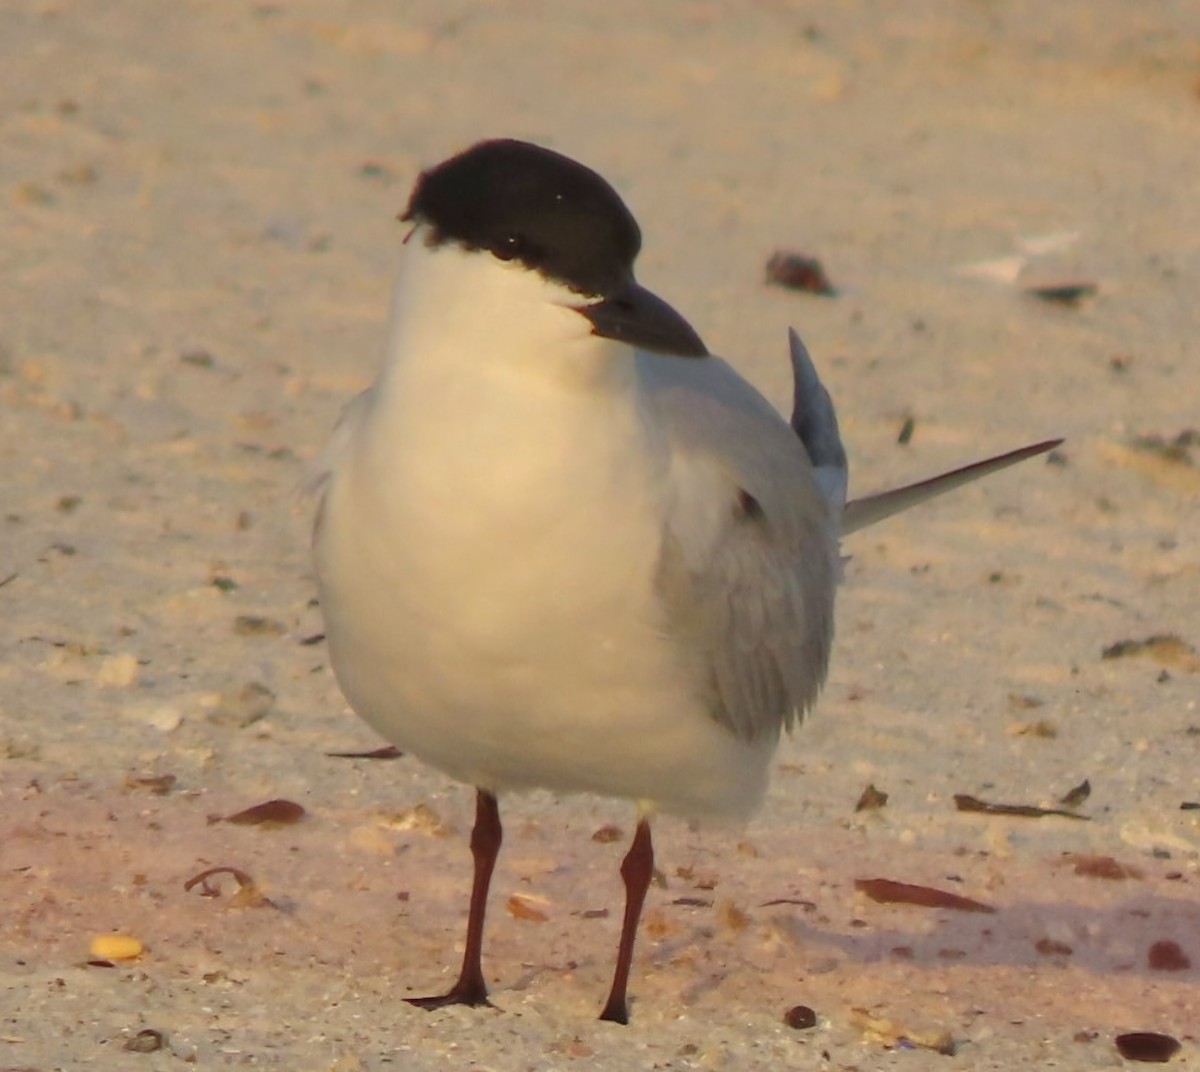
x,y
197,208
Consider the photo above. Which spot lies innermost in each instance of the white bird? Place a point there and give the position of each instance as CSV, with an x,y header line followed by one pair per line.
x,y
559,544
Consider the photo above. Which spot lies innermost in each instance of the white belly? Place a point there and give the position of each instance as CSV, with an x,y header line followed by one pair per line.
x,y
496,615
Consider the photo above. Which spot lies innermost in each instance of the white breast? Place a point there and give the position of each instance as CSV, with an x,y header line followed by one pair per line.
x,y
487,554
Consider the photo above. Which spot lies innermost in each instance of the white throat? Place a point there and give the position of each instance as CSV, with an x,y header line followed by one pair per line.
x,y
460,313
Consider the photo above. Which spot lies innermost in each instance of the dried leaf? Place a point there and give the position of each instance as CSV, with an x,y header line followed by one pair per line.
x,y
888,891
964,802
269,814
1166,955
1166,649
1102,867
1070,294
871,799
388,751
524,908
1074,797
1147,1046
808,906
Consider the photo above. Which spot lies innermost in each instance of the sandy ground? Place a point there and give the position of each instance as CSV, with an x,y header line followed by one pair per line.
x,y
197,203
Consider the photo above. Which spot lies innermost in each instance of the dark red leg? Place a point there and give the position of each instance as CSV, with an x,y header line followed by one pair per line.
x,y
636,869
485,847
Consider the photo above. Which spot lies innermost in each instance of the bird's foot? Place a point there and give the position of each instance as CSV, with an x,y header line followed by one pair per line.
x,y
464,992
615,1012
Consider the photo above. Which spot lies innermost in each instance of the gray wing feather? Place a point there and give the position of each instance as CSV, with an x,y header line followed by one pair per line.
x,y
317,478
749,560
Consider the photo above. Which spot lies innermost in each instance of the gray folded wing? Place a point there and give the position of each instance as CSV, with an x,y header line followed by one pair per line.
x,y
749,560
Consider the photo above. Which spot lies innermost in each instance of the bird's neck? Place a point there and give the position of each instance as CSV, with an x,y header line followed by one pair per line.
x,y
469,337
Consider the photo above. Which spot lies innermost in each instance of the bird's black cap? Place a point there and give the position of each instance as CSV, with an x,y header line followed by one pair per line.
x,y
522,202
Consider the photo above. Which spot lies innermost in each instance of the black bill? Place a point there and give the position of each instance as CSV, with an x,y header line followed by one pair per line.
x,y
639,318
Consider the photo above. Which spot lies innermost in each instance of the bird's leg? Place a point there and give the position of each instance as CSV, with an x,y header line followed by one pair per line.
x,y
636,870
485,847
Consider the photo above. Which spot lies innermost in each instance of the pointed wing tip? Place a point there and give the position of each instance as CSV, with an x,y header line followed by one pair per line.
x,y
1033,450
866,511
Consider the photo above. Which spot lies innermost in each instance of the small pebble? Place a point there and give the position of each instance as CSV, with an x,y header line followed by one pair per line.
x,y
800,1018
147,1041
796,271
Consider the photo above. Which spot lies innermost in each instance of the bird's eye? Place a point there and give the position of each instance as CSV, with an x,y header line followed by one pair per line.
x,y
509,247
